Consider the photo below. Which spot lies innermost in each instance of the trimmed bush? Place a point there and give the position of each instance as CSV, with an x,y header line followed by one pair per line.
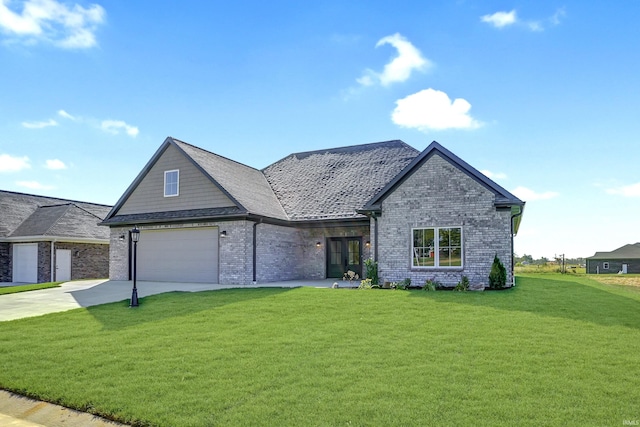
x,y
498,274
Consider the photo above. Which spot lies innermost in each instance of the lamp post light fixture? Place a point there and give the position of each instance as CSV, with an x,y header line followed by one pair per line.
x,y
135,236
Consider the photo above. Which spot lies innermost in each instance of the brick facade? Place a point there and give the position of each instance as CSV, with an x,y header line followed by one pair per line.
x,y
282,253
5,262
438,194
88,260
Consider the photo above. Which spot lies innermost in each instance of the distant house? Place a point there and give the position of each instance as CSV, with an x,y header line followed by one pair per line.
x,y
313,215
46,239
622,260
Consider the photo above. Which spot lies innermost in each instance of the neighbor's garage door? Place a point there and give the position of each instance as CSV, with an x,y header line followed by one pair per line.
x,y
178,255
25,262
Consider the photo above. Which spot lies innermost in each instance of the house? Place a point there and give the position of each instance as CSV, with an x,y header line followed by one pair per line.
x,y
622,260
313,215
45,239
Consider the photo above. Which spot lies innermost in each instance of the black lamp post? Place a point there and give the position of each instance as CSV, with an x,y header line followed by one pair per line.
x,y
135,236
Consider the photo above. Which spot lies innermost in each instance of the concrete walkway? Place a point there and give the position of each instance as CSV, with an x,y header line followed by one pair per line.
x,y
86,293
20,411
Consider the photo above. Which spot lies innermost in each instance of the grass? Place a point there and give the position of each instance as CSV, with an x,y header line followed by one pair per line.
x,y
556,350
25,288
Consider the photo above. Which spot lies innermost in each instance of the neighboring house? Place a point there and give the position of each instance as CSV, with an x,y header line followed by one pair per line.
x,y
622,260
45,239
313,215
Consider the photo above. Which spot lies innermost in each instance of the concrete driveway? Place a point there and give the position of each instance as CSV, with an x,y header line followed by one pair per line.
x,y
85,293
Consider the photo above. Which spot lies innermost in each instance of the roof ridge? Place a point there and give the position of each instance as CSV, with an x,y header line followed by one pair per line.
x,y
341,149
347,147
52,197
53,223
214,154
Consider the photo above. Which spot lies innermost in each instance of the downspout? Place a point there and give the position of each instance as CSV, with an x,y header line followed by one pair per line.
x,y
53,264
513,271
255,252
375,237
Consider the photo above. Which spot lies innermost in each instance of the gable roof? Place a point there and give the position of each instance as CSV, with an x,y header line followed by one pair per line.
x,y
31,216
630,251
336,182
503,197
245,186
344,183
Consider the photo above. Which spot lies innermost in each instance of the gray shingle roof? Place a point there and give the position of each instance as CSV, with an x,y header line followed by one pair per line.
x,y
335,183
26,215
630,251
246,185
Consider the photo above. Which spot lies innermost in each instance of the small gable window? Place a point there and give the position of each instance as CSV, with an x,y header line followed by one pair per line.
x,y
436,247
171,183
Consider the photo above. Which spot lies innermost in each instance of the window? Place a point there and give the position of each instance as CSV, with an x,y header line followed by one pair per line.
x,y
437,247
605,265
171,183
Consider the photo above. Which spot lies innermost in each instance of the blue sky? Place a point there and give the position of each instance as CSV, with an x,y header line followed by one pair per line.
x,y
541,96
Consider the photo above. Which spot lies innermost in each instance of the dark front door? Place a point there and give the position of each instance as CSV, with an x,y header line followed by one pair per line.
x,y
343,254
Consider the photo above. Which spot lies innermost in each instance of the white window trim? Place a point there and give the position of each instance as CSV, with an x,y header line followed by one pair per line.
x,y
436,250
605,265
177,183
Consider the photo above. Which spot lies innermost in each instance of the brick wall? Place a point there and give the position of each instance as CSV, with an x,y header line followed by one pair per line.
x,y
5,262
119,253
283,253
440,195
236,253
88,261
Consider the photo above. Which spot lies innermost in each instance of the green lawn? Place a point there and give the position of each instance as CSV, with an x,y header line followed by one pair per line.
x,y
556,350
25,288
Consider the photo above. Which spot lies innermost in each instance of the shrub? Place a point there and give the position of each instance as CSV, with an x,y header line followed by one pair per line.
x,y
402,285
498,274
463,285
430,285
365,284
371,267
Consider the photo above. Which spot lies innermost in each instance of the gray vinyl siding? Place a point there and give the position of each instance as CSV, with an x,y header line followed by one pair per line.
x,y
196,191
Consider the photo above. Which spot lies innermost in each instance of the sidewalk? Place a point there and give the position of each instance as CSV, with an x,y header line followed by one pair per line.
x,y
19,411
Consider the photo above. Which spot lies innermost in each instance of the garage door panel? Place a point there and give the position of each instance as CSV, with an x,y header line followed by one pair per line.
x,y
179,255
25,263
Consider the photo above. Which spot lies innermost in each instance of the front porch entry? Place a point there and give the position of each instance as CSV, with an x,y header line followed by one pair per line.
x,y
343,254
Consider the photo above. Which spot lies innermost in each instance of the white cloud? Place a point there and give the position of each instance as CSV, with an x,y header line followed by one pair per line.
x,y
494,175
55,164
505,19
39,125
500,19
66,26
399,69
556,18
632,190
13,164
115,126
34,185
66,115
528,195
432,109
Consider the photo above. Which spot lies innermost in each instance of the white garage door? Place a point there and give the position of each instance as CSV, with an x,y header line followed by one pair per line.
x,y
178,255
25,262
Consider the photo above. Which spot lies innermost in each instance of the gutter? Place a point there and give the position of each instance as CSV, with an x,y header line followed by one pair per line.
x,y
29,239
